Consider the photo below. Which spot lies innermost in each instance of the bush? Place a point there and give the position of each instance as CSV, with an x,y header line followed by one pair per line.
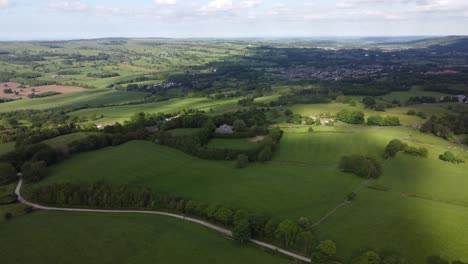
x,y
241,231
369,257
411,112
265,155
351,196
393,148
376,120
420,152
7,173
242,161
436,260
34,171
365,167
450,157
350,117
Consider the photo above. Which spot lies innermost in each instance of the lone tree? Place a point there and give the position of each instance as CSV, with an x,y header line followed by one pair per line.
x,y
242,231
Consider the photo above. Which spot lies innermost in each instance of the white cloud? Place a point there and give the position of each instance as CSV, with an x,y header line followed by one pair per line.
x,y
4,4
165,2
68,6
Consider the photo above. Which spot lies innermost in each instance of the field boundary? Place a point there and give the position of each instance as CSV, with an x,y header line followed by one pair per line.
x,y
410,195
216,228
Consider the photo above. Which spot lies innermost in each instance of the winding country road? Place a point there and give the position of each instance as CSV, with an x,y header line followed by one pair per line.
x,y
219,229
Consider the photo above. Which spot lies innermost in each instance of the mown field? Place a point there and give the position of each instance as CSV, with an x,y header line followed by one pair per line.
x,y
303,180
56,237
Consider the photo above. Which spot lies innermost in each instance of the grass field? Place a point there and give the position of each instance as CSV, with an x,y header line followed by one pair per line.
x,y
333,108
56,237
303,180
122,113
91,98
238,144
258,188
64,140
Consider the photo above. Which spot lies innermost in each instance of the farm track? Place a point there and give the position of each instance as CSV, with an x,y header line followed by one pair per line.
x,y
342,204
216,228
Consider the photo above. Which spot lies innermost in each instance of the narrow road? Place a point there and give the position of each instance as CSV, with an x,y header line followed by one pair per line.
x,y
216,228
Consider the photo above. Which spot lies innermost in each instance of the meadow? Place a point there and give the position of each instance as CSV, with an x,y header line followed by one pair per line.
x,y
122,113
89,98
60,237
303,180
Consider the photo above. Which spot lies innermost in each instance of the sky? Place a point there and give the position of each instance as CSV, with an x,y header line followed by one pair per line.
x,y
76,19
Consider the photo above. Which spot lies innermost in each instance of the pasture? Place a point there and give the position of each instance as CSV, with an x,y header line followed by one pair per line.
x,y
121,113
60,237
303,180
237,144
80,99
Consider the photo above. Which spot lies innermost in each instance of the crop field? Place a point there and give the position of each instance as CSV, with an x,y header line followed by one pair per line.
x,y
91,98
56,237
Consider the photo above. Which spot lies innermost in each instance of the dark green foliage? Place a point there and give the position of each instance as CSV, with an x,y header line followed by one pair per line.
x,y
450,157
265,155
397,145
7,173
420,152
351,196
288,231
95,195
242,161
394,147
446,126
34,170
239,125
8,216
369,257
324,251
270,228
377,120
362,166
369,102
241,231
350,117
28,209
223,215
411,112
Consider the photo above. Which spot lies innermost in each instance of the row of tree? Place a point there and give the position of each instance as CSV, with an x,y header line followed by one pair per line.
x,y
396,145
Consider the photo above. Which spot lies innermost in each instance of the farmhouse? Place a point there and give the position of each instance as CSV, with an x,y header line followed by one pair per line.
x,y
225,129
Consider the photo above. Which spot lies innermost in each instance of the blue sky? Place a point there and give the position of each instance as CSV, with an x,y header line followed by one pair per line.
x,y
72,19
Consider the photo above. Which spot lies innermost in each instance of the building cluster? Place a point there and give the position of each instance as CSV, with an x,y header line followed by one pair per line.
x,y
333,73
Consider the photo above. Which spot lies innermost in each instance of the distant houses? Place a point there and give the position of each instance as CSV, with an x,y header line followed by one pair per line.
x,y
225,129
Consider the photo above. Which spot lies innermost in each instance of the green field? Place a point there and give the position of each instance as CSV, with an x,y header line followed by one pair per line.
x,y
87,98
259,187
62,141
56,237
122,113
237,144
303,180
